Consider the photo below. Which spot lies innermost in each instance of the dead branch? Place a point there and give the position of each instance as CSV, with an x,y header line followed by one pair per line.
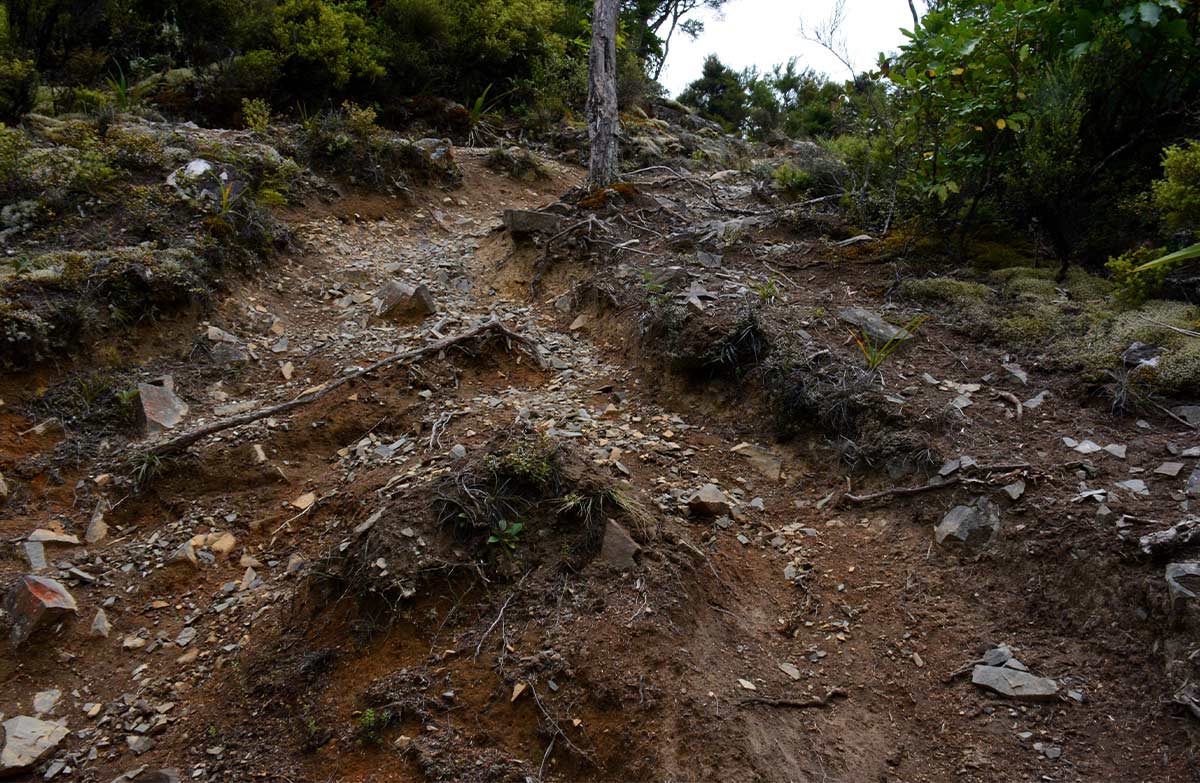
x,y
493,325
1178,536
901,491
835,693
1011,398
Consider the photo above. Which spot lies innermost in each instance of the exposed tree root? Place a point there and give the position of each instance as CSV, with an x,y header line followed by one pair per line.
x,y
180,443
827,701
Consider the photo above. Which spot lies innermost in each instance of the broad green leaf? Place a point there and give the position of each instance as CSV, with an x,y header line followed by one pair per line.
x,y
1186,254
1150,13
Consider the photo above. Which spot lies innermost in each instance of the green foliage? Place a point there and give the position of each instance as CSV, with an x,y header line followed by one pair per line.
x,y
507,534
1177,195
793,180
18,87
1135,283
256,114
877,353
718,95
326,44
368,729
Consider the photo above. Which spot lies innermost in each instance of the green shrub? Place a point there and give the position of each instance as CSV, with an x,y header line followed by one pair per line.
x,y
256,114
794,181
18,87
1177,195
1133,288
326,44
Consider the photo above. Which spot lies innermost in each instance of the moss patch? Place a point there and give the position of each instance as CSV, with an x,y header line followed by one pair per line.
x,y
945,290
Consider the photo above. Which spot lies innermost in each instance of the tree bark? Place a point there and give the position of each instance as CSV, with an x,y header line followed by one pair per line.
x,y
602,118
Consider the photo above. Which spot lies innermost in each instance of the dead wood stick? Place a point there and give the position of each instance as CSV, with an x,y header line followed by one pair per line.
x,y
835,693
901,491
1011,398
180,443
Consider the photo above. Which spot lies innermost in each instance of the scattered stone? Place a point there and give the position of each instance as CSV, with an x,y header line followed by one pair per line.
x,y
97,528
1036,400
223,544
873,325
139,743
747,685
710,501
1015,371
458,451
580,321
618,547
44,702
217,335
1189,413
1183,582
998,655
1192,489
35,553
397,301
27,741
186,636
1014,684
1117,450
973,525
1134,486
761,459
1015,490
305,501
100,625
36,601
161,408
1171,469
789,670
147,775
524,221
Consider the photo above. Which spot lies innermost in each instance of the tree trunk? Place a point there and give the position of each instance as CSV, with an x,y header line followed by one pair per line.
x,y
602,119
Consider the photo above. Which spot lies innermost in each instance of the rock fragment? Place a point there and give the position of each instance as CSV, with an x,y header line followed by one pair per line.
x,y
710,501
1014,683
618,547
973,525
36,601
27,741
161,409
396,301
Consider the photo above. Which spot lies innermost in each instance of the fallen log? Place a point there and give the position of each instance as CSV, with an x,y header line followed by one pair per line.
x,y
181,443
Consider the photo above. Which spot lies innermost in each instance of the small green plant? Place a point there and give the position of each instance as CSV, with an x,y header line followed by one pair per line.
x,y
507,534
370,726
148,467
877,353
22,265
226,197
360,119
793,180
1136,278
256,114
126,399
655,291
767,290
119,86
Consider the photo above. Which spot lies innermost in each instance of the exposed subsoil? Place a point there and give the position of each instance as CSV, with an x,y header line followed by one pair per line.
x,y
362,635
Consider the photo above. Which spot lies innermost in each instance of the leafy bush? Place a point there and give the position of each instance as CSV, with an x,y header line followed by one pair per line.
x,y
793,180
1177,195
18,87
256,114
1135,287
324,45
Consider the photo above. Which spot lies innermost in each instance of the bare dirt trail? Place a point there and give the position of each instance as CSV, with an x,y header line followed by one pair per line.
x,y
785,638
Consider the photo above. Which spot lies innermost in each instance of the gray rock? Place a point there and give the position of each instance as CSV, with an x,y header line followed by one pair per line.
x,y
100,625
973,525
525,221
1193,484
27,741
618,547
397,301
35,601
44,702
1015,490
1134,486
761,459
160,407
147,775
1171,469
97,528
1189,413
998,655
710,501
873,325
1014,684
1183,583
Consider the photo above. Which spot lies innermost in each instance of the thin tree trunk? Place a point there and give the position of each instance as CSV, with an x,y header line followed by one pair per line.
x,y
916,19
602,119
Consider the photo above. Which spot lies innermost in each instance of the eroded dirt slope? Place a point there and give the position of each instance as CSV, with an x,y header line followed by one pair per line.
x,y
328,595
